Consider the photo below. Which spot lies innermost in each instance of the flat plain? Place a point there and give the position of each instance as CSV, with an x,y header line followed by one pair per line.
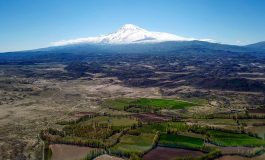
x,y
109,104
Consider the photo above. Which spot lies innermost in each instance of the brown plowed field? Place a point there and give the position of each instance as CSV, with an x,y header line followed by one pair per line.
x,y
152,117
165,153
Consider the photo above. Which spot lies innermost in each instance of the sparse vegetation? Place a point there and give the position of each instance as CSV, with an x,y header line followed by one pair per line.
x,y
99,102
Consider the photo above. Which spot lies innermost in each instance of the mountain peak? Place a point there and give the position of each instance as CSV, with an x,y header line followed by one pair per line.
x,y
128,33
130,26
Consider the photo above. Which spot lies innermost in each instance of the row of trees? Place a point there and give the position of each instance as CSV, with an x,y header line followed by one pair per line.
x,y
55,136
137,108
83,118
230,116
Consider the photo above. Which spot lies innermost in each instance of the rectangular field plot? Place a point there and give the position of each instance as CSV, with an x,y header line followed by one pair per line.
x,y
130,144
259,130
234,139
165,153
171,140
216,121
69,152
152,117
163,103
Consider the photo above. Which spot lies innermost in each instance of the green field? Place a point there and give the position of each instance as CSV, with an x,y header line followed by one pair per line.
x,y
171,140
135,105
130,144
163,103
234,139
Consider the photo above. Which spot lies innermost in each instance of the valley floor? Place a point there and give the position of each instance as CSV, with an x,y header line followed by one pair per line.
x,y
35,97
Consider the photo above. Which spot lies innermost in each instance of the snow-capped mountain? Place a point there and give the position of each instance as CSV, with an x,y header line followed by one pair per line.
x,y
129,33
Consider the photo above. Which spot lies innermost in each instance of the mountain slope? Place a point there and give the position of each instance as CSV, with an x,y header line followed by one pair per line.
x,y
257,46
150,48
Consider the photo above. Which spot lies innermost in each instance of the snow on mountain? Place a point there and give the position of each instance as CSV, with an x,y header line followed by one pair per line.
x,y
129,33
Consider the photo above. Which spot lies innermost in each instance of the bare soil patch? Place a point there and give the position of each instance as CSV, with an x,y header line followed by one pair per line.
x,y
236,150
152,117
68,152
261,157
107,157
81,114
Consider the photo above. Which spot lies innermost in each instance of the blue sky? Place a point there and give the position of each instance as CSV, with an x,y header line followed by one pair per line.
x,y
28,24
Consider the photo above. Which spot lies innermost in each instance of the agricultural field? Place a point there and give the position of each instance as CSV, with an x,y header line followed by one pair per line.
x,y
252,122
116,121
68,152
243,151
147,104
261,157
179,141
152,117
107,157
131,144
162,103
258,130
171,154
153,134
234,139
216,121
162,127
224,123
